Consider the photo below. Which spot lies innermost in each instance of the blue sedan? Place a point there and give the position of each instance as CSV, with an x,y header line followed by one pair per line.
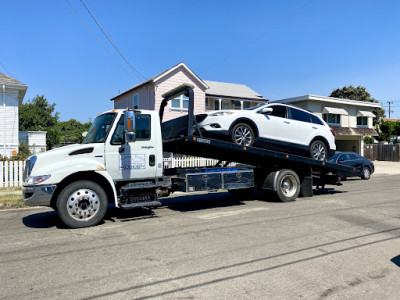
x,y
364,166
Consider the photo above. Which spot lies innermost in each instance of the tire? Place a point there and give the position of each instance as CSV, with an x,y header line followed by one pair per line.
x,y
242,134
287,185
82,204
366,173
318,150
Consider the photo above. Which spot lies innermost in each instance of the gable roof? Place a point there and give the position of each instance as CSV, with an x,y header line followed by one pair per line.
x,y
330,100
231,90
13,83
158,77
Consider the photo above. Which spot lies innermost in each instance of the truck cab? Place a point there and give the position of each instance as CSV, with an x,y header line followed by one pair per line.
x,y
101,165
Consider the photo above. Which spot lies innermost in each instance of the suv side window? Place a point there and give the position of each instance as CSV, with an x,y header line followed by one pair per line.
x,y
143,130
278,111
316,120
299,115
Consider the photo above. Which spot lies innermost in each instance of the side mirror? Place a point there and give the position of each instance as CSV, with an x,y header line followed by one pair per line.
x,y
267,110
129,121
130,137
129,126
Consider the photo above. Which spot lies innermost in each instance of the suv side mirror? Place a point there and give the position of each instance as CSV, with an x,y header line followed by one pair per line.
x,y
129,126
267,110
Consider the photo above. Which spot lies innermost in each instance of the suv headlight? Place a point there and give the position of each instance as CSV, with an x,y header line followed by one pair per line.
x,y
38,179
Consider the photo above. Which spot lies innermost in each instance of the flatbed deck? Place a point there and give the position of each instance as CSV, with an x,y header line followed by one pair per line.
x,y
258,157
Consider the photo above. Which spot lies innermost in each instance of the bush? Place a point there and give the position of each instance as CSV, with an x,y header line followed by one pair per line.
x,y
23,153
368,140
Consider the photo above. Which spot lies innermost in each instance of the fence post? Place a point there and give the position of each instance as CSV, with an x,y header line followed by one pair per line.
x,y
1,174
20,172
16,182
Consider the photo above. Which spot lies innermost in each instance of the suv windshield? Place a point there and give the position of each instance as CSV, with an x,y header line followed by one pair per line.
x,y
256,107
99,129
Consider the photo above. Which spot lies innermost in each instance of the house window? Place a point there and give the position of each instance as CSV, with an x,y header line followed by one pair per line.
x,y
332,119
246,104
207,103
236,105
136,101
181,102
362,121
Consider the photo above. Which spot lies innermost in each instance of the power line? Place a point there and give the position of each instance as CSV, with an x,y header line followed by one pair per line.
x,y
246,45
110,39
101,44
9,74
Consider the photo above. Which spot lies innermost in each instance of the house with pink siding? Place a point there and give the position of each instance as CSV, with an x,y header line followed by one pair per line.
x,y
208,95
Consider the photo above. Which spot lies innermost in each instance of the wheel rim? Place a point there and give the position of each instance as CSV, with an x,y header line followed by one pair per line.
x,y
318,151
243,136
366,173
288,186
83,204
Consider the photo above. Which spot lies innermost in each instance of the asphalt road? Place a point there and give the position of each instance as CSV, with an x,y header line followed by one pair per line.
x,y
341,244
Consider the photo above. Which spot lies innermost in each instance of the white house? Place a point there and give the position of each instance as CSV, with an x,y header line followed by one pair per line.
x,y
12,93
36,140
208,95
351,120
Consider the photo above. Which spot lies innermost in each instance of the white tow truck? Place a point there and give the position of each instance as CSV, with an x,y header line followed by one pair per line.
x,y
121,162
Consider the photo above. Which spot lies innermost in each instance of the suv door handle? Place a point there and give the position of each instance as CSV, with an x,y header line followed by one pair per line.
x,y
314,127
286,122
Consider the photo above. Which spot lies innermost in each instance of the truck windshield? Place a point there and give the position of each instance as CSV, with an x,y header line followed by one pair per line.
x,y
99,130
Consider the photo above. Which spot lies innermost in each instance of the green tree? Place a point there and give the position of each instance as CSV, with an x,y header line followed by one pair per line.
x,y
39,115
359,93
71,131
386,129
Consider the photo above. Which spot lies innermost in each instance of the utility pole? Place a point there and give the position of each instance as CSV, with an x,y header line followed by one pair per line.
x,y
390,111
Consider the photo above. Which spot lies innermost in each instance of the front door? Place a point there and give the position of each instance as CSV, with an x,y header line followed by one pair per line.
x,y
137,161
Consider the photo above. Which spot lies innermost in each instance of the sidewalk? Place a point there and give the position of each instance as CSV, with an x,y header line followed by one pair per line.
x,y
387,167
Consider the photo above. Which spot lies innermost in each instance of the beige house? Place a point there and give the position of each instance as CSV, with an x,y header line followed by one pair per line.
x,y
350,119
208,95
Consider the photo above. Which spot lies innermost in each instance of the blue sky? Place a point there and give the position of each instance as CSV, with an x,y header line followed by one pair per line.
x,y
278,48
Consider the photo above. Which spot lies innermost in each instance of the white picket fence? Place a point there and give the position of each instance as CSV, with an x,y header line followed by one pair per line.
x,y
11,172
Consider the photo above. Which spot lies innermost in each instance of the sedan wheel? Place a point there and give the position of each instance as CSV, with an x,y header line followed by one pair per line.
x,y
318,150
242,134
366,173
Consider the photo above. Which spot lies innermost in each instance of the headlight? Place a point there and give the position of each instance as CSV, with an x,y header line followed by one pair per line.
x,y
38,179
222,113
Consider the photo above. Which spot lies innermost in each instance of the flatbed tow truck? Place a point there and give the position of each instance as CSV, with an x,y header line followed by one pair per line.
x,y
121,162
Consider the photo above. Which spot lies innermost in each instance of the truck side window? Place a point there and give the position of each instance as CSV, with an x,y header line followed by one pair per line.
x,y
143,130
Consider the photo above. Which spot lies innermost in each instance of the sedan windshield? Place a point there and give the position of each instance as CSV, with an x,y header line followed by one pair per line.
x,y
99,130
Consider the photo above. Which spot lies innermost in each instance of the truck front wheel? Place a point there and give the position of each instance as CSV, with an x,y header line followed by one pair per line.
x,y
82,204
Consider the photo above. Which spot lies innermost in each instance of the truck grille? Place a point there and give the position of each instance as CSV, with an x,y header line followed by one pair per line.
x,y
29,164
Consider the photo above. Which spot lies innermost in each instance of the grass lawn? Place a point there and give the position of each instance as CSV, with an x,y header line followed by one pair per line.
x,y
11,201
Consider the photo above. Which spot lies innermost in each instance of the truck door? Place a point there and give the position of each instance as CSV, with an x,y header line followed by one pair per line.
x,y
137,161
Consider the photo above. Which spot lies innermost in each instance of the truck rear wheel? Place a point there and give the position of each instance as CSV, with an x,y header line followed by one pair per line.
x,y
82,204
287,185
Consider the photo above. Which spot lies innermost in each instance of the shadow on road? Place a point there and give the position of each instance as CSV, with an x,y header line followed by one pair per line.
x,y
396,260
46,219
327,191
